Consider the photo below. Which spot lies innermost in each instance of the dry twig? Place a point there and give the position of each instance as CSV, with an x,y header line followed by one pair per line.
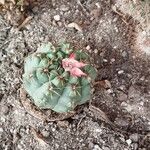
x,y
24,22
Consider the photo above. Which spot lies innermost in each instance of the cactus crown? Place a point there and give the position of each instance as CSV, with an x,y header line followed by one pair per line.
x,y
58,78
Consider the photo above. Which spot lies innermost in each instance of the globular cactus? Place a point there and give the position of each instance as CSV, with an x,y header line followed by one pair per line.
x,y
58,78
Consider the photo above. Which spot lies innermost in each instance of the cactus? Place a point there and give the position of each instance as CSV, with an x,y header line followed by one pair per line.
x,y
58,78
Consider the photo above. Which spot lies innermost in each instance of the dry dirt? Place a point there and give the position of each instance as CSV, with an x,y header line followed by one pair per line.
x,y
122,91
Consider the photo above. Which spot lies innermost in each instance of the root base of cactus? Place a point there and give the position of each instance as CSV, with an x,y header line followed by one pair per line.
x,y
43,115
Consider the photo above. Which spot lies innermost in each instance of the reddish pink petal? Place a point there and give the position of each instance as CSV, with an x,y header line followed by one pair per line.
x,y
79,64
68,62
72,65
72,56
76,72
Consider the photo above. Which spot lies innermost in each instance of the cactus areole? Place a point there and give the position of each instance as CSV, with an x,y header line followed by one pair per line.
x,y
58,78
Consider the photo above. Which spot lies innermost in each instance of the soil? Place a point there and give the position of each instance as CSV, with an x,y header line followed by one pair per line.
x,y
122,89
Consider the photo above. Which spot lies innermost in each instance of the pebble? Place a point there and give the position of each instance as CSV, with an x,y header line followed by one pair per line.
x,y
142,78
129,76
63,123
122,87
133,93
75,26
96,147
141,103
59,24
2,119
95,51
105,60
1,130
57,18
105,84
105,148
35,9
53,129
5,110
124,54
129,141
122,139
64,8
115,19
110,91
45,133
88,47
98,130
98,5
20,147
57,146
122,96
135,146
121,122
91,145
134,137
113,60
120,71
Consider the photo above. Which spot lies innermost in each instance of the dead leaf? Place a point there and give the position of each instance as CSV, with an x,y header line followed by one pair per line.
x,y
135,1
96,13
38,136
29,107
75,25
24,22
116,11
13,1
144,138
16,137
103,83
39,114
99,114
2,2
61,116
64,124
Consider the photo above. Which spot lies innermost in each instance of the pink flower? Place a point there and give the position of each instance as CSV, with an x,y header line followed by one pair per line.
x,y
72,65
76,72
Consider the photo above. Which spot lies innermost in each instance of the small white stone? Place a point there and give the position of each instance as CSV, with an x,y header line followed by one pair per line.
x,y
110,91
98,130
64,8
98,5
124,104
113,60
88,47
2,2
53,129
134,137
1,130
96,147
95,51
115,47
2,119
56,17
141,103
124,54
120,71
142,78
129,141
45,133
105,60
57,145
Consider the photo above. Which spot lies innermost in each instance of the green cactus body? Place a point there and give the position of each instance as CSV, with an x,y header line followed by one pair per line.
x,y
50,85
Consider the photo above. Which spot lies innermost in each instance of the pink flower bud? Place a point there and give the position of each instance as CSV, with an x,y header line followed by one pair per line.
x,y
76,72
72,55
72,65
